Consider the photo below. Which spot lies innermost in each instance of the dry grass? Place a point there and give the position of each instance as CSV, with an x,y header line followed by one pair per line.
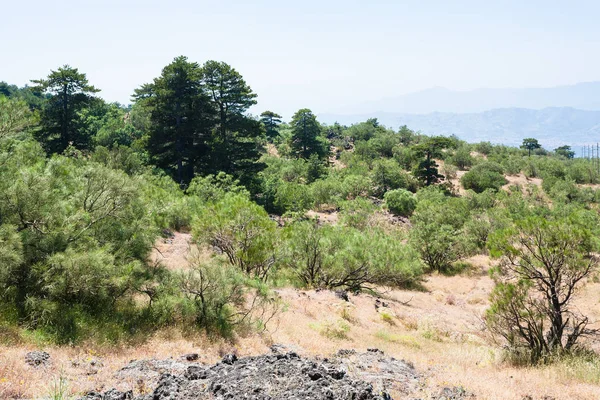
x,y
444,339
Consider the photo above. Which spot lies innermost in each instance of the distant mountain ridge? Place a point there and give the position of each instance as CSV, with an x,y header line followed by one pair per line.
x,y
584,96
552,126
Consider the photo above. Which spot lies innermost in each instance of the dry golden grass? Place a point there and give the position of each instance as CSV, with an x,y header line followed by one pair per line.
x,y
445,340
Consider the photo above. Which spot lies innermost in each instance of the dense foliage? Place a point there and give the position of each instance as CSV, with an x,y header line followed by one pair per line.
x,y
88,188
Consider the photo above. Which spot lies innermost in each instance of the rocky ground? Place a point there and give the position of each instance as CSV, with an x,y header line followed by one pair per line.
x,y
283,374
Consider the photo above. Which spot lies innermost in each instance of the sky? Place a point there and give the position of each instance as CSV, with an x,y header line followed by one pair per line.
x,y
323,55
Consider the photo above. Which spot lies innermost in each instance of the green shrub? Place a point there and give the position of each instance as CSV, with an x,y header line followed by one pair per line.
x,y
400,202
484,176
242,231
343,257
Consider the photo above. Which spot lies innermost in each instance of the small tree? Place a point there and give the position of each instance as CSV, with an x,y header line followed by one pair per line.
x,y
530,144
70,92
543,264
437,229
462,158
427,169
488,175
271,121
565,151
306,139
343,257
242,231
15,116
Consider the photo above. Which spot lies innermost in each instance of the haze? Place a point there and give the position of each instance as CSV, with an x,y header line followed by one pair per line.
x,y
325,55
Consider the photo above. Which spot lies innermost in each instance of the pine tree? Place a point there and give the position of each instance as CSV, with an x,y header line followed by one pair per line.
x,y
69,92
306,138
236,139
271,121
181,117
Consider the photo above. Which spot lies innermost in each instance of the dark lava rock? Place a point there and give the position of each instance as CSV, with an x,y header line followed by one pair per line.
x,y
342,294
346,352
229,359
111,394
92,396
453,393
192,357
168,388
287,376
195,372
37,358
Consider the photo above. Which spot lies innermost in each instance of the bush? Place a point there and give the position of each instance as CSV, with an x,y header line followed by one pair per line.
x,y
484,176
357,213
388,175
218,295
74,240
437,229
400,202
242,231
342,257
462,158
327,191
543,262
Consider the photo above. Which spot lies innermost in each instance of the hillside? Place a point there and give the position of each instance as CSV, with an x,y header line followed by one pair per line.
x,y
438,330
166,236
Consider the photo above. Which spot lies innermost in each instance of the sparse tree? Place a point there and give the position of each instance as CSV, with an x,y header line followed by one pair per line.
x,y
180,115
530,144
565,151
544,262
427,169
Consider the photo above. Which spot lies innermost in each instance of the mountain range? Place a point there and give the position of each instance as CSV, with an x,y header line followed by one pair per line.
x,y
555,116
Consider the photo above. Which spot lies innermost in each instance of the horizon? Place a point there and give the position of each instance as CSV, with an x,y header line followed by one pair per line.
x,y
323,55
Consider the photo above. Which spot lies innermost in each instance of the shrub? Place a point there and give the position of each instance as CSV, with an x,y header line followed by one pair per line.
x,y
342,257
462,158
543,262
327,191
217,292
388,175
357,213
484,176
74,240
400,202
242,231
437,229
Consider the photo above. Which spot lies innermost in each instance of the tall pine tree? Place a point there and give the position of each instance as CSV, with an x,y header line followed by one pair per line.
x,y
181,119
69,92
237,138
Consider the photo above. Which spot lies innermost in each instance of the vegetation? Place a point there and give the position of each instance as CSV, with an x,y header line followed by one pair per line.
x,y
544,261
89,187
484,176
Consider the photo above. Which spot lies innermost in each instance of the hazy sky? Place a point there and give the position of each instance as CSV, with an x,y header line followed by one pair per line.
x,y
316,54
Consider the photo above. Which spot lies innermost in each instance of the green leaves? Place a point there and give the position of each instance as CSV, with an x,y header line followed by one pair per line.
x,y
484,176
400,202
344,257
242,231
69,92
15,117
306,138
544,261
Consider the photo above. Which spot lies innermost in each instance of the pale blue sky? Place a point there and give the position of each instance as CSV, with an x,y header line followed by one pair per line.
x,y
317,54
